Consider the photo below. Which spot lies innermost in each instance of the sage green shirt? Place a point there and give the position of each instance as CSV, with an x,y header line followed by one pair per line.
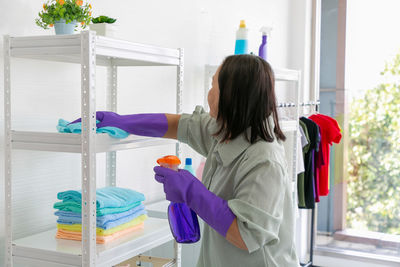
x,y
253,179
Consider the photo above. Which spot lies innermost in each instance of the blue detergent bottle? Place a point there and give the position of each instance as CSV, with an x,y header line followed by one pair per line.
x,y
182,220
241,45
189,166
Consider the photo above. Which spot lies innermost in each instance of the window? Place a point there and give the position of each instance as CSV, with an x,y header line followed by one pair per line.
x,y
364,214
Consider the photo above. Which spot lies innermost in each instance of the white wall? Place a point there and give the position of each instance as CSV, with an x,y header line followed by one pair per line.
x,y
42,92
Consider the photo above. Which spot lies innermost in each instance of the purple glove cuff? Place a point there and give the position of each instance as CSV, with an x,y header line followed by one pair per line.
x,y
212,209
153,125
224,220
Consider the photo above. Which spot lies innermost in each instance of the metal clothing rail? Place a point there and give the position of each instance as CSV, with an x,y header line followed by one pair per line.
x,y
310,262
291,104
311,103
286,105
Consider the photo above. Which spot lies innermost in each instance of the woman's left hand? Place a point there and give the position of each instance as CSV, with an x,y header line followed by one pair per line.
x,y
177,184
182,187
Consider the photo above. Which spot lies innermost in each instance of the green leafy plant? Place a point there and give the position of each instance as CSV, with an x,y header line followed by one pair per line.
x,y
68,10
103,19
373,184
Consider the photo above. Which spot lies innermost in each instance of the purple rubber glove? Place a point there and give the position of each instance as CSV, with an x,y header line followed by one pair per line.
x,y
154,125
182,187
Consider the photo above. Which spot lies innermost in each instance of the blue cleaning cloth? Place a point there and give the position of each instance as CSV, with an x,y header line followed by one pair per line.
x,y
107,197
115,132
105,222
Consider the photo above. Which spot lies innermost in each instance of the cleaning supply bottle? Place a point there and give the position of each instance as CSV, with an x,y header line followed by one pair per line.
x,y
241,45
262,52
182,220
189,166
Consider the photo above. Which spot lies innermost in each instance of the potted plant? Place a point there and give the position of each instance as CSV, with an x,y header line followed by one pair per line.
x,y
103,25
64,15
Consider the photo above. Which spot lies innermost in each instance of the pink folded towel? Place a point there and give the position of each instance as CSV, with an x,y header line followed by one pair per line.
x,y
64,234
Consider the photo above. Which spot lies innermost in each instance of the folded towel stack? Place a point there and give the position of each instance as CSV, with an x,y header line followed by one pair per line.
x,y
119,211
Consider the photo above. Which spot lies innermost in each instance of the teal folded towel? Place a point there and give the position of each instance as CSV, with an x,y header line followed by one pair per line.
x,y
77,207
107,197
64,127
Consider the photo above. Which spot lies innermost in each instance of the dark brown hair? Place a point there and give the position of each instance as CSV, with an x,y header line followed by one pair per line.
x,y
247,98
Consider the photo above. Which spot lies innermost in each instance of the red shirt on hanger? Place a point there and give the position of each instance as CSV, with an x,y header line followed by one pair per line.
x,y
330,132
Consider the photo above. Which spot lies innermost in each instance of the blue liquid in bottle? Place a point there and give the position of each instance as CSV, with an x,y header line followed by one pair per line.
x,y
183,223
241,47
182,220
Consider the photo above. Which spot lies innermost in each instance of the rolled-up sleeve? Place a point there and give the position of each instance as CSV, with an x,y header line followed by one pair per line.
x,y
258,203
197,130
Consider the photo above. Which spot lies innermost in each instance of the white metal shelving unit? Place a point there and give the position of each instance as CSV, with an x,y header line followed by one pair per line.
x,y
88,50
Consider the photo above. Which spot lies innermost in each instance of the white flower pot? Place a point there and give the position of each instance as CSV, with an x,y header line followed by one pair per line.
x,y
61,27
104,29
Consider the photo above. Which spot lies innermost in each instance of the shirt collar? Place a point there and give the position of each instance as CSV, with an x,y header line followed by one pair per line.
x,y
229,151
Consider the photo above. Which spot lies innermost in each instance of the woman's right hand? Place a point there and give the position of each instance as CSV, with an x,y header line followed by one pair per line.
x,y
105,118
153,124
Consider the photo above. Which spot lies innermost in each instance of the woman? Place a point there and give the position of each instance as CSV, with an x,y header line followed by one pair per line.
x,y
245,195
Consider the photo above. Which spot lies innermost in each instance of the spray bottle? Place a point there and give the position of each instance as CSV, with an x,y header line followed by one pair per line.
x,y
241,45
182,220
262,52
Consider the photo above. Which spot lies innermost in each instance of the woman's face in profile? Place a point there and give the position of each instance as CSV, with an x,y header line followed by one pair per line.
x,y
213,95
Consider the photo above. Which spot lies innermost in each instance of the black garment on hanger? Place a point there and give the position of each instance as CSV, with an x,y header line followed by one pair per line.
x,y
313,133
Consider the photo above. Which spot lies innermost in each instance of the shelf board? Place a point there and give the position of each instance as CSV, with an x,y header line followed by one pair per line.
x,y
286,74
289,125
67,48
158,209
44,247
69,142
280,74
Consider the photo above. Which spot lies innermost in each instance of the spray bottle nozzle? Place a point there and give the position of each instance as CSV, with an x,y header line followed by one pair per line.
x,y
266,30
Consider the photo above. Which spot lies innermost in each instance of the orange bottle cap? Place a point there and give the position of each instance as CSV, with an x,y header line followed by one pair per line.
x,y
169,160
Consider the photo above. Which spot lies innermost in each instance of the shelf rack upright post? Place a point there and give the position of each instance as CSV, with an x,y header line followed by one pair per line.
x,y
112,98
179,89
7,153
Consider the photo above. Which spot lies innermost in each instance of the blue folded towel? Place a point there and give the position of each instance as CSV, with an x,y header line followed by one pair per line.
x,y
100,220
64,127
107,197
104,222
